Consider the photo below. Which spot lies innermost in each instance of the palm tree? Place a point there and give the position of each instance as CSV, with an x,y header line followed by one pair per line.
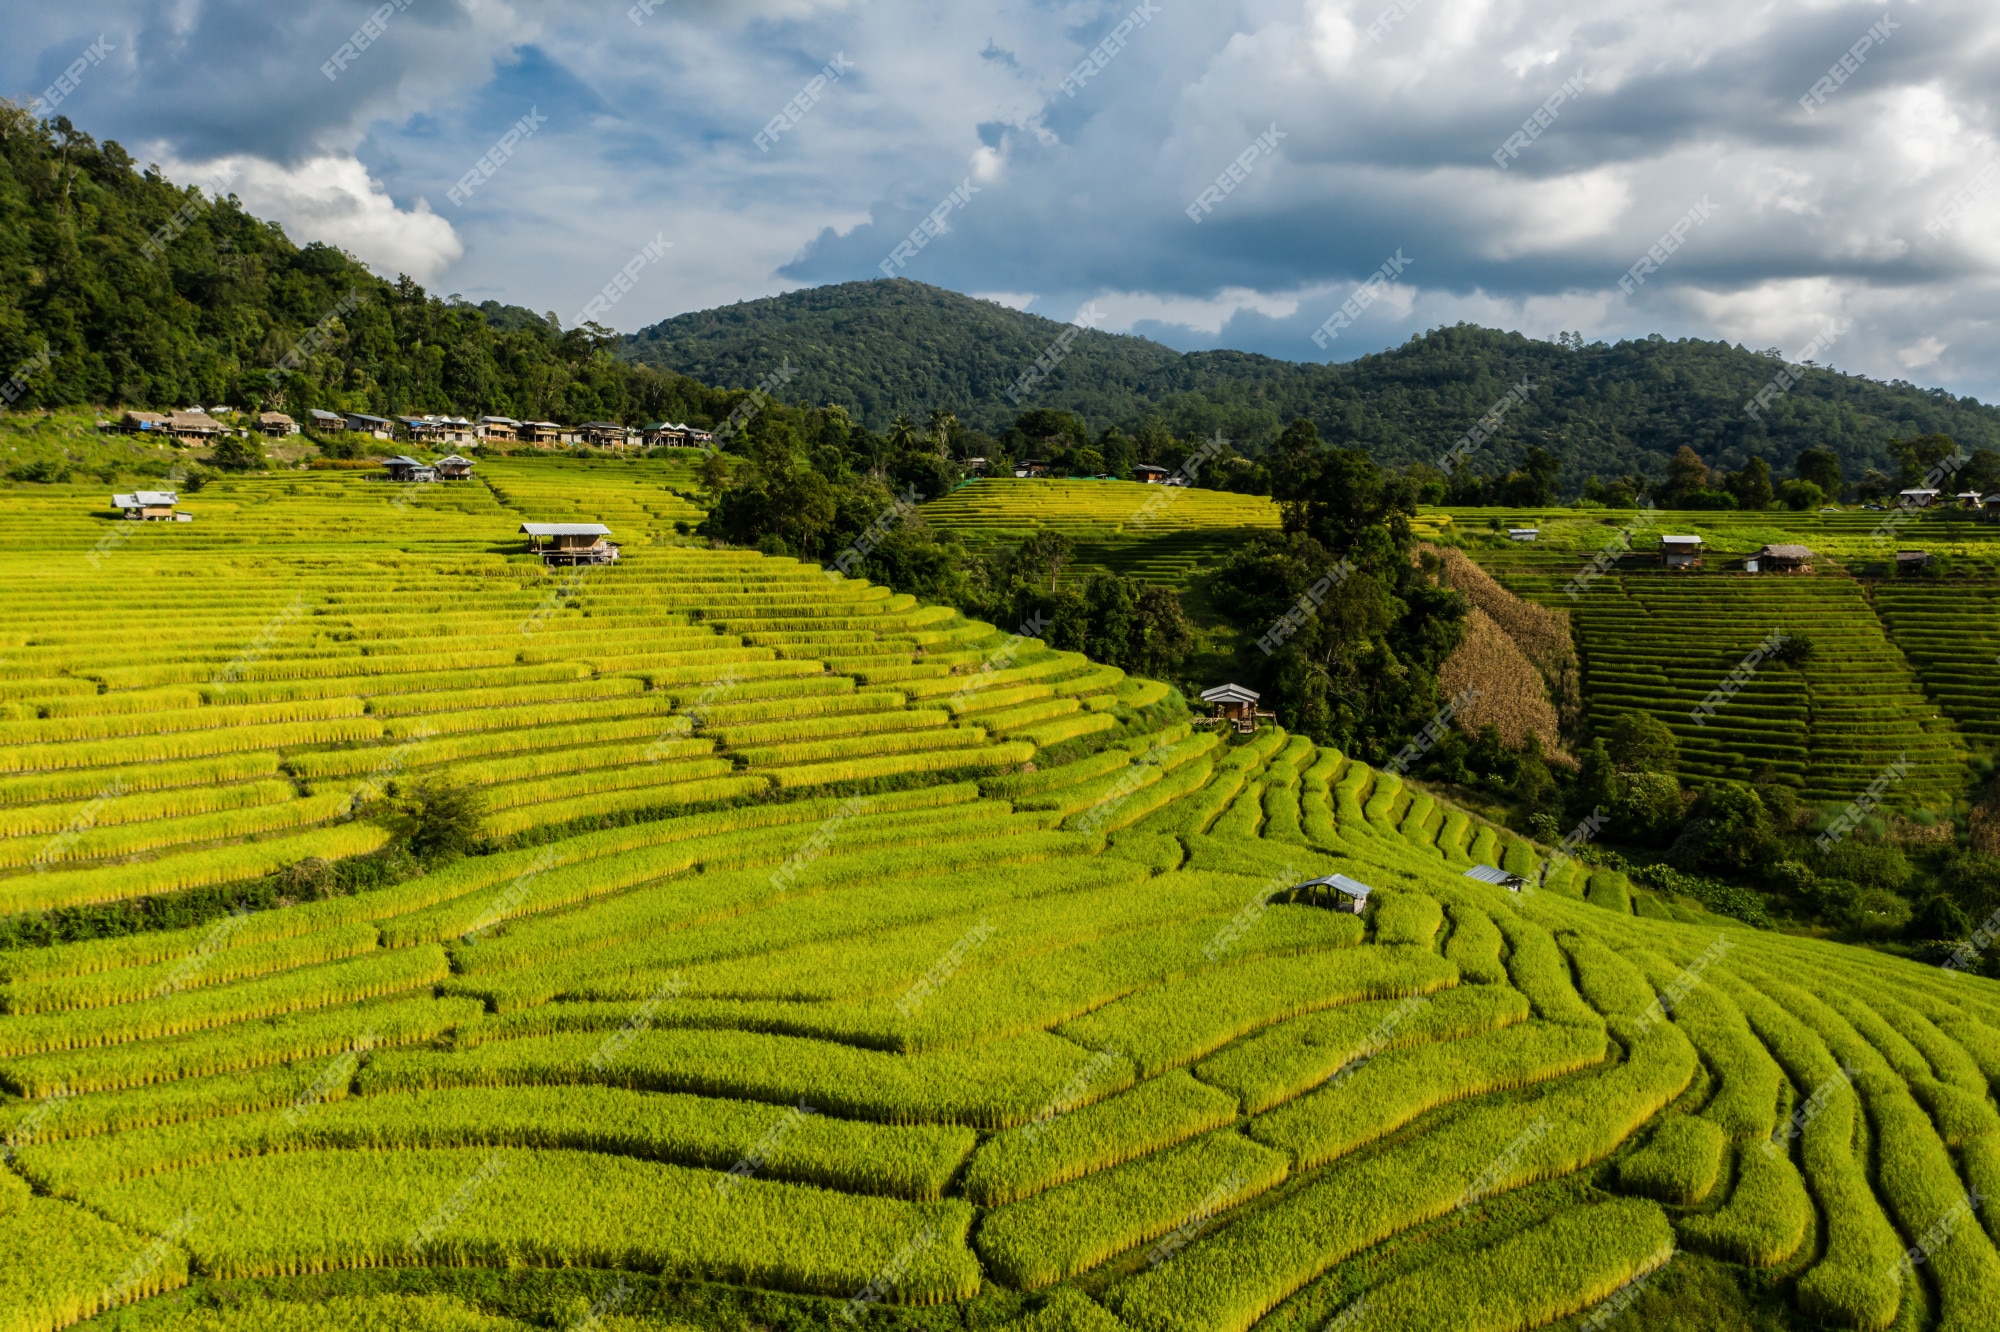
x,y
902,432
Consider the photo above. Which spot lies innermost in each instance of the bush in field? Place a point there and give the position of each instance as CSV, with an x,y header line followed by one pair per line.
x,y
445,816
1873,912
1795,649
1728,831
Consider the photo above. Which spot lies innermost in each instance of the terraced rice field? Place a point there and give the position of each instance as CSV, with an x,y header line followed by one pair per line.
x,y
1951,632
1050,1046
1660,643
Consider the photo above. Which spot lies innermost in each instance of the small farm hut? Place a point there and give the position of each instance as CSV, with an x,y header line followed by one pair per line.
x,y
454,468
276,424
1347,894
1235,705
1680,552
1513,883
1912,562
1148,473
1780,559
571,543
1918,499
151,506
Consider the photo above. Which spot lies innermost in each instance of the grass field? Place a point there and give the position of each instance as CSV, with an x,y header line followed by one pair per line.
x,y
795,984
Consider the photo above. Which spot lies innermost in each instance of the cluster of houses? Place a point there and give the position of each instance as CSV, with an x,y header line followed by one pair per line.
x,y
507,430
197,425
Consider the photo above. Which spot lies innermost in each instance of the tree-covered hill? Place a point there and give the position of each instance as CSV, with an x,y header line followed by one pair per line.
x,y
145,294
884,347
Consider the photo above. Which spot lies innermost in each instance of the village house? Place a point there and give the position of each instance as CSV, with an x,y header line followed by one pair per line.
x,y
194,426
605,434
546,434
571,543
326,422
1780,559
1680,552
1910,563
1918,499
380,427
1989,509
152,506
1148,473
276,424
454,468
497,427
1031,467
143,422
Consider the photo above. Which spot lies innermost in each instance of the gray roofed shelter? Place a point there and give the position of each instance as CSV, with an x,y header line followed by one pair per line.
x,y
1348,894
454,468
155,506
1513,883
405,468
1680,552
572,543
1234,705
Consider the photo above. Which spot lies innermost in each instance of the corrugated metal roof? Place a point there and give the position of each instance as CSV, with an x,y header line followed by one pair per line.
x,y
1230,693
1487,874
146,499
565,529
1340,883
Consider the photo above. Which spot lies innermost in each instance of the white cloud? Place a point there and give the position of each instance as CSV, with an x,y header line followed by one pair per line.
x,y
1925,351
1013,300
332,199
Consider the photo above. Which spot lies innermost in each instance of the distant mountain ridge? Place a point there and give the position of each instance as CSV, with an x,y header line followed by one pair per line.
x,y
883,347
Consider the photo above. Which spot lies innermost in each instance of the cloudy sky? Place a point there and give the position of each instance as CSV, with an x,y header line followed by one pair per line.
x,y
1818,170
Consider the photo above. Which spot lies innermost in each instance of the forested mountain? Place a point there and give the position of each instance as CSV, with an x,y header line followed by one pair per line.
x,y
884,347
149,295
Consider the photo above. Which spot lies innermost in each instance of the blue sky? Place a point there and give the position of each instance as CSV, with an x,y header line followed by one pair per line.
x,y
1515,161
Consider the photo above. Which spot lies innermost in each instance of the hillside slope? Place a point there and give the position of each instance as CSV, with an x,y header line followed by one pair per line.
x,y
781,987
884,347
